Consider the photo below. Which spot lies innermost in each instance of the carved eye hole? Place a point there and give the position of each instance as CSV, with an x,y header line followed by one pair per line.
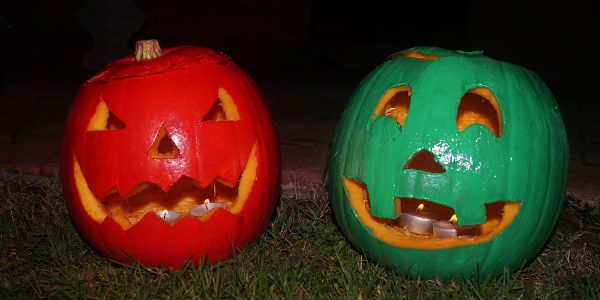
x,y
394,104
480,106
104,119
224,108
216,113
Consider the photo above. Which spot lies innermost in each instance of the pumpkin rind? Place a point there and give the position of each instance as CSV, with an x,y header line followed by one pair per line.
x,y
527,163
174,91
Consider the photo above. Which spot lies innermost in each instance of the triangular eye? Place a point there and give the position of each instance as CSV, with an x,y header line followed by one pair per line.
x,y
163,146
394,104
104,119
224,109
216,113
480,106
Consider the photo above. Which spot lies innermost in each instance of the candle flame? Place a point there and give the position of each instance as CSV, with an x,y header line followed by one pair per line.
x,y
164,213
206,201
421,207
453,218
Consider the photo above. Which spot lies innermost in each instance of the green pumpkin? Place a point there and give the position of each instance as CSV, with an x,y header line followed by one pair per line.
x,y
464,135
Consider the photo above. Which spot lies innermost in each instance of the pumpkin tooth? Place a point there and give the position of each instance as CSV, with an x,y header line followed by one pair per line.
x,y
183,195
149,197
499,215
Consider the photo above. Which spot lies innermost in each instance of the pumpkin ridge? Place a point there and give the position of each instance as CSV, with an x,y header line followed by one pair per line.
x,y
173,59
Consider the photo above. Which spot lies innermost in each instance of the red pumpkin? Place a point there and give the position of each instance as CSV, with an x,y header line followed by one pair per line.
x,y
167,134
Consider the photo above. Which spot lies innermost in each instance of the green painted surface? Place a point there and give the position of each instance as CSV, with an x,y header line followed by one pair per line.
x,y
527,163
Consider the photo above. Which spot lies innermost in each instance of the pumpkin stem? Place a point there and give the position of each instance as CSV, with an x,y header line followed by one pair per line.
x,y
147,50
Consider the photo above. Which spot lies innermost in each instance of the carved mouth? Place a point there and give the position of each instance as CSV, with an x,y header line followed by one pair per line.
x,y
183,196
499,215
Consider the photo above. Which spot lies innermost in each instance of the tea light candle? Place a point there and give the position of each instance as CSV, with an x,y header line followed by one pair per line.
x,y
444,229
168,216
420,222
448,229
202,209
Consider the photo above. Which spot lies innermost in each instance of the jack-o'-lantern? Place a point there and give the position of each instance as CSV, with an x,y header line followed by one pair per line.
x,y
449,163
170,157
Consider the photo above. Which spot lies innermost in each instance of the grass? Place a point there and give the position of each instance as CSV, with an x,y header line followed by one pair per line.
x,y
301,255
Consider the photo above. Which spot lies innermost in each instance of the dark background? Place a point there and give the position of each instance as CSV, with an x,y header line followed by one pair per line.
x,y
320,43
272,34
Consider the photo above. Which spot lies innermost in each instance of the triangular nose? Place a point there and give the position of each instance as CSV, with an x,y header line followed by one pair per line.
x,y
424,161
163,146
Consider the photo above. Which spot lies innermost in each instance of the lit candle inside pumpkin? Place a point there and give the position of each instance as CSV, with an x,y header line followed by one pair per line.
x,y
168,215
445,229
419,222
202,209
449,229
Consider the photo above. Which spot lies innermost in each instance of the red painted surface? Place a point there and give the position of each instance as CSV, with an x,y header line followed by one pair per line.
x,y
174,91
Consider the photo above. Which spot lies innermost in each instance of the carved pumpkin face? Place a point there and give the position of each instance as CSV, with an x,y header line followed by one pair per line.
x,y
151,139
455,138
